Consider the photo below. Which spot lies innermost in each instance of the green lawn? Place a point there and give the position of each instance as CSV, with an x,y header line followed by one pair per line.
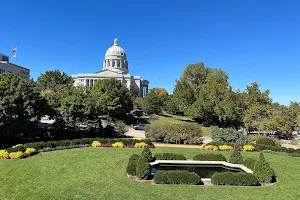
x,y
173,119
99,173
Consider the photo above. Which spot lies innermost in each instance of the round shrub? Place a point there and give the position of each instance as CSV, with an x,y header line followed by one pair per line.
x,y
118,145
225,148
211,148
140,145
16,155
143,169
18,147
263,171
147,154
132,163
169,156
177,177
3,154
96,144
249,163
248,148
30,151
266,141
209,157
234,178
236,158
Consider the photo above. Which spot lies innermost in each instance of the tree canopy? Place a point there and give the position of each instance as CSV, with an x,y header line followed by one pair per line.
x,y
54,80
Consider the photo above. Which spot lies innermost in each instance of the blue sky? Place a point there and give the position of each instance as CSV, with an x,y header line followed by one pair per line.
x,y
252,40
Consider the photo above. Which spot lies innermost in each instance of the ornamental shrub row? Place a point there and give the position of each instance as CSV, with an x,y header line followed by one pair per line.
x,y
169,156
234,178
265,141
209,157
228,147
17,154
83,141
177,177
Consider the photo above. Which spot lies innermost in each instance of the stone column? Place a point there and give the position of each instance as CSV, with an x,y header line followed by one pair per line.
x,y
121,63
116,63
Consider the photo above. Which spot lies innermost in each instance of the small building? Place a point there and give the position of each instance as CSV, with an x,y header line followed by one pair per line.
x,y
115,65
6,66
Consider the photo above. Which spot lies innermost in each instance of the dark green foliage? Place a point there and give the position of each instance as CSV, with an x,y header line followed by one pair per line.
x,y
263,171
187,133
132,163
209,157
177,177
147,154
265,141
169,156
250,162
234,178
143,169
54,80
227,135
236,157
154,101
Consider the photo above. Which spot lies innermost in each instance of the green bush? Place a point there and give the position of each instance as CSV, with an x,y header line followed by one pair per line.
x,y
169,156
209,157
120,127
263,171
234,178
146,153
177,177
227,136
266,141
236,157
132,163
143,169
249,163
187,133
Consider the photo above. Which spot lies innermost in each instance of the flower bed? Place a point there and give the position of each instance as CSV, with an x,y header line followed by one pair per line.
x,y
29,149
229,147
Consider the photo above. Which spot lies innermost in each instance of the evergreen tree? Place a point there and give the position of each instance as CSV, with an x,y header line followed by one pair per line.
x,y
236,157
147,154
143,169
263,171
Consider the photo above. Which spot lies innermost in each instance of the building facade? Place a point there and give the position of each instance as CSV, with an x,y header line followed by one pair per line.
x,y
6,66
115,65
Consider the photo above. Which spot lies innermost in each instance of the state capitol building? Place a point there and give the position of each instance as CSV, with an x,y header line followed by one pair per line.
x,y
115,65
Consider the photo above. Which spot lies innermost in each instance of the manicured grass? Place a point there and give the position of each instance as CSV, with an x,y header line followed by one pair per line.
x,y
174,119
100,173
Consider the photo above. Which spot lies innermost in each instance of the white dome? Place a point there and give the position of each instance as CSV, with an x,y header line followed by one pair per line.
x,y
115,59
115,50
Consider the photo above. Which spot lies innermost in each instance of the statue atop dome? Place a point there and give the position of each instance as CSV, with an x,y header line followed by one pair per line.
x,y
116,42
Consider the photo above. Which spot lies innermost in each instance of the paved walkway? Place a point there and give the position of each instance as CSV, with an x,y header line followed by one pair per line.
x,y
291,146
135,133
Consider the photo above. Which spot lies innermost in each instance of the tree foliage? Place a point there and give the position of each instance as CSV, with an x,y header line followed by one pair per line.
x,y
21,105
154,101
54,80
111,97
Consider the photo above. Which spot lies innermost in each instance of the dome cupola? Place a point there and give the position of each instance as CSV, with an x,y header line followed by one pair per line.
x,y
115,58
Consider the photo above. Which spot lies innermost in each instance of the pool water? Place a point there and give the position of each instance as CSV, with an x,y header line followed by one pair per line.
x,y
205,171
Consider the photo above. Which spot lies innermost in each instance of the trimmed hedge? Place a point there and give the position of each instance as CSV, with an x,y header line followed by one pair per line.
x,y
169,156
177,177
209,157
249,163
236,157
132,163
266,141
143,169
234,178
263,171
